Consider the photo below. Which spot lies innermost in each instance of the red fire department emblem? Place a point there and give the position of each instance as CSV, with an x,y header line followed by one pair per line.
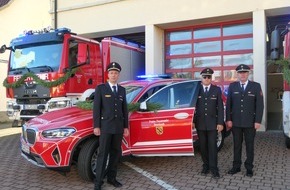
x,y
159,130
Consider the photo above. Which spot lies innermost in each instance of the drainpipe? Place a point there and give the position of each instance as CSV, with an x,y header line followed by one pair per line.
x,y
55,14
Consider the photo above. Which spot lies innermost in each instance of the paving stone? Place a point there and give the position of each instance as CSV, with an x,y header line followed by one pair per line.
x,y
271,171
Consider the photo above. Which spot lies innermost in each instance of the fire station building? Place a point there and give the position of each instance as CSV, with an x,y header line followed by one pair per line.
x,y
183,37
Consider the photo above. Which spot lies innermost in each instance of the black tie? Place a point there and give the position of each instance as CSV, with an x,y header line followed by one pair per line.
x,y
243,87
115,90
206,91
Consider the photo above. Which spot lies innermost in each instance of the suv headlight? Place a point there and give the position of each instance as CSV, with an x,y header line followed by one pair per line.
x,y
58,133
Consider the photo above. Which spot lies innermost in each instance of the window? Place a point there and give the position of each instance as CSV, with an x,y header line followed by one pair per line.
x,y
180,49
179,95
178,36
238,29
36,57
149,93
221,47
207,33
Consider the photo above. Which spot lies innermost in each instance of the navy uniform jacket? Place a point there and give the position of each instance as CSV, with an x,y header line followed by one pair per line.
x,y
244,109
110,112
209,109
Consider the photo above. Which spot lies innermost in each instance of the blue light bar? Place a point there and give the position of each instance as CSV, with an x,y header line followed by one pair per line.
x,y
163,76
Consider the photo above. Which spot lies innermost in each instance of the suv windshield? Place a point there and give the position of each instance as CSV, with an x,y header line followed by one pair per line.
x,y
132,92
36,57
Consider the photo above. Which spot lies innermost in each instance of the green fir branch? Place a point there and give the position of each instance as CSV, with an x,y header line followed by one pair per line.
x,y
285,64
85,105
39,81
132,107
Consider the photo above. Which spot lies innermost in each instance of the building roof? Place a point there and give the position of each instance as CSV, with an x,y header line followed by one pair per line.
x,y
4,2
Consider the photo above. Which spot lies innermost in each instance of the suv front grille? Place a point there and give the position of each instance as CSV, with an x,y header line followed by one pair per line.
x,y
30,136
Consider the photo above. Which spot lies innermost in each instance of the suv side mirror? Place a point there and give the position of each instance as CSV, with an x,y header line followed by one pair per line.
x,y
143,106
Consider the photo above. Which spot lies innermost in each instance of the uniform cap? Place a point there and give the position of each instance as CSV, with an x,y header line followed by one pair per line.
x,y
243,68
114,66
206,71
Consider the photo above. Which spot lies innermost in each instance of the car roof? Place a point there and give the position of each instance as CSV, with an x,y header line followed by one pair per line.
x,y
148,82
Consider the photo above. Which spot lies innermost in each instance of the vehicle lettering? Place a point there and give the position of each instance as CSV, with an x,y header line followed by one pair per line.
x,y
41,76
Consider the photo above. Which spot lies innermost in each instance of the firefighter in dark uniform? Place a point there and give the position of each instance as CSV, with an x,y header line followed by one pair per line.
x,y
244,112
110,116
208,120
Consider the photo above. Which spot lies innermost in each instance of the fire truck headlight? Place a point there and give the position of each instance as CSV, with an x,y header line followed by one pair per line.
x,y
58,133
58,104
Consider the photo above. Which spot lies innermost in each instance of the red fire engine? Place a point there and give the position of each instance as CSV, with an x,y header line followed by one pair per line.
x,y
53,69
275,48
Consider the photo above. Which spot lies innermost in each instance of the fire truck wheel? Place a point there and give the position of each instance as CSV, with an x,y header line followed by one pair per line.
x,y
15,123
220,140
87,159
287,141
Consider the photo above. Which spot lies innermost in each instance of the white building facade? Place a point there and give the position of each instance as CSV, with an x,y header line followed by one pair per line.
x,y
182,37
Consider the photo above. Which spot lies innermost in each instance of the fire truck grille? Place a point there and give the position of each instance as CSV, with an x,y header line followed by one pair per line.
x,y
30,136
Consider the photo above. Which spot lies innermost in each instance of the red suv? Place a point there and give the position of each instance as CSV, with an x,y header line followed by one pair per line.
x,y
57,139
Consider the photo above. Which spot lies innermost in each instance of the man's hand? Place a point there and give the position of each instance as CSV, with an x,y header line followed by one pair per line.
x,y
257,126
126,132
229,124
219,128
97,131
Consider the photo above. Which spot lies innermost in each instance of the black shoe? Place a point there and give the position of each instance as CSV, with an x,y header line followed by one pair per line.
x,y
115,183
234,171
97,187
215,175
204,171
249,173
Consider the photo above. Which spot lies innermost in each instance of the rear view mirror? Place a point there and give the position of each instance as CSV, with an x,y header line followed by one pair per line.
x,y
275,44
3,49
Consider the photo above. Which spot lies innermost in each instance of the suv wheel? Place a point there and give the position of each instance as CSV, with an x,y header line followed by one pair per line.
x,y
87,159
220,140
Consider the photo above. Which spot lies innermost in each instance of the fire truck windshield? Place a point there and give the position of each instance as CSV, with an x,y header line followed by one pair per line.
x,y
32,57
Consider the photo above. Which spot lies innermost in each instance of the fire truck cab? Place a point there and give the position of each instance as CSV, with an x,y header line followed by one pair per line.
x,y
276,50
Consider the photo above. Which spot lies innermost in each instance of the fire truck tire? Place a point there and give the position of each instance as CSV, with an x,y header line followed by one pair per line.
x,y
287,141
15,123
22,122
87,159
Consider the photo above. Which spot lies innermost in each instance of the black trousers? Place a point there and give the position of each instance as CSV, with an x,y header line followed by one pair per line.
x,y
239,133
110,144
208,148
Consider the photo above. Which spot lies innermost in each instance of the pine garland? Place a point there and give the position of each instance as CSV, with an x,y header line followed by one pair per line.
x,y
88,105
285,63
85,105
39,81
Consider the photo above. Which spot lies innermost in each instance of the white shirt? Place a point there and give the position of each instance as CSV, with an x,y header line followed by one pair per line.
x,y
111,85
245,84
208,87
